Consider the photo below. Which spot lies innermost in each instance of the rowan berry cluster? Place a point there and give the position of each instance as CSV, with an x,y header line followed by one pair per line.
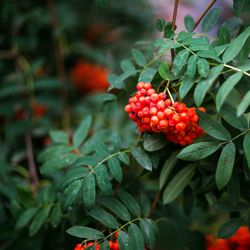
x,y
153,112
239,241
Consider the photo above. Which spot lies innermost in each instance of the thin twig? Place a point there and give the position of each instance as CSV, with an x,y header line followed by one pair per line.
x,y
60,67
30,156
176,4
209,6
154,203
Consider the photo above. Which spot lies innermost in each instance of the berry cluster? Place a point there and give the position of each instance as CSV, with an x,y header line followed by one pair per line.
x,y
239,241
113,245
152,112
89,77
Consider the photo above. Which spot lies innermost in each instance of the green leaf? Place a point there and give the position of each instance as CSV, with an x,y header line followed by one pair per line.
x,y
210,20
58,136
164,71
235,46
147,75
154,142
209,53
123,241
136,240
103,180
115,81
228,113
104,217
70,193
179,61
56,215
178,183
191,66
142,158
213,128
148,233
204,85
127,65
203,67
225,165
117,208
185,87
161,24
104,245
26,217
239,6
139,57
85,233
123,157
246,147
39,220
226,88
244,104
198,151
129,201
82,131
229,228
89,193
189,23
115,168
167,168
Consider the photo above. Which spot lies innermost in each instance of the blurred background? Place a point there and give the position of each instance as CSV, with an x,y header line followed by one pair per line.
x,y
55,60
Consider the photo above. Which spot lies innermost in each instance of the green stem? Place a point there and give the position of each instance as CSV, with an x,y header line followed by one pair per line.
x,y
237,136
105,159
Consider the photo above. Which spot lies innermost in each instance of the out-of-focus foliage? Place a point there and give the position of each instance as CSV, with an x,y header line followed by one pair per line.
x,y
72,164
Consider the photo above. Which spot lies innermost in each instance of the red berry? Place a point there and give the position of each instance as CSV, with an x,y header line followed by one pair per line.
x,y
202,109
128,108
150,92
181,107
168,112
154,120
180,126
161,115
195,118
153,111
161,105
163,124
168,102
176,118
154,97
140,85
162,96
147,85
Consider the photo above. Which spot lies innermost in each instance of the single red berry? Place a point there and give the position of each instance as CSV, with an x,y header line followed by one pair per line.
x,y
153,111
195,118
154,97
154,120
142,99
181,107
184,117
150,92
161,115
163,124
161,105
191,112
202,109
146,120
147,85
128,108
140,85
180,126
168,102
162,96
176,118
168,112
176,105
143,92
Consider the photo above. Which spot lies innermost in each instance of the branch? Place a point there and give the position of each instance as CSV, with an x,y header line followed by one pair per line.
x,y
209,6
31,162
60,67
176,4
